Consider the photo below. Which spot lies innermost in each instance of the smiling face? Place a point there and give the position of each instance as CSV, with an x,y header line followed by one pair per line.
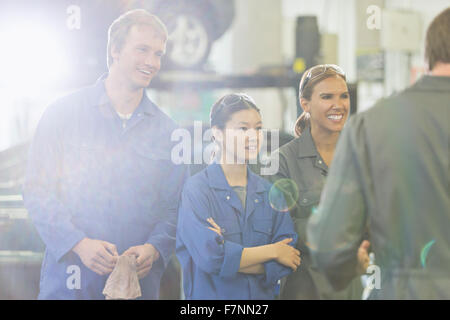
x,y
241,138
139,59
329,105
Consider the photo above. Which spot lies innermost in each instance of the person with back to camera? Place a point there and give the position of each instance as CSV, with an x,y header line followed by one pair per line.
x,y
391,174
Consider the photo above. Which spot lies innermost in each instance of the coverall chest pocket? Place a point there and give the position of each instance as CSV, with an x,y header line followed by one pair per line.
x,y
231,231
307,204
262,231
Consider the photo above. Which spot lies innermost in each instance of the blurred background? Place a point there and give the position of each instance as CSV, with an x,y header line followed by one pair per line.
x,y
261,47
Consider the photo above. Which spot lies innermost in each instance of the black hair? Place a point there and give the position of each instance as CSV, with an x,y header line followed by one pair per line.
x,y
223,109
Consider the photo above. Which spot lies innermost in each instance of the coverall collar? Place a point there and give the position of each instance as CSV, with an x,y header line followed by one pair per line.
x,y
306,145
99,98
217,180
307,149
432,83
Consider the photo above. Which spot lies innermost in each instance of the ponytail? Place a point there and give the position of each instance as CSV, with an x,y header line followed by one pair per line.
x,y
302,123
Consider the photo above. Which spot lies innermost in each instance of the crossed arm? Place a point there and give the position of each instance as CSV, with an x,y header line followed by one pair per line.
x,y
252,258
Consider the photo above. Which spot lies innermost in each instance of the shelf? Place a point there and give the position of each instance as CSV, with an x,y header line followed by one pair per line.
x,y
207,81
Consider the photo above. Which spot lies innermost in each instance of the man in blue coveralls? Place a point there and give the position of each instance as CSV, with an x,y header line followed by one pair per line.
x,y
100,181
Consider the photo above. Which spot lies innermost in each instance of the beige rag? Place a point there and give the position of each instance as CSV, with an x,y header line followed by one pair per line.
x,y
123,282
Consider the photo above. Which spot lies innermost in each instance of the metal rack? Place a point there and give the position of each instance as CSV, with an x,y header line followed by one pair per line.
x,y
175,81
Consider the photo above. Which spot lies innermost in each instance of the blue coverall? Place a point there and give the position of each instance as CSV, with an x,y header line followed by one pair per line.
x,y
211,262
90,174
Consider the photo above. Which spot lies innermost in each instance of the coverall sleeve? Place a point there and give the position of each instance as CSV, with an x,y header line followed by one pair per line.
x,y
163,236
50,216
336,231
284,228
209,251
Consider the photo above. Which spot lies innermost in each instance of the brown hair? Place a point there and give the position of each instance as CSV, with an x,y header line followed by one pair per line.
x,y
310,79
437,43
119,29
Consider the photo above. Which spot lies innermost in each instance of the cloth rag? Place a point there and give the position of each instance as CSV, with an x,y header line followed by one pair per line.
x,y
123,282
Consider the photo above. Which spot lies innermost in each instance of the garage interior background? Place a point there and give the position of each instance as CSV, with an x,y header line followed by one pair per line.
x,y
51,48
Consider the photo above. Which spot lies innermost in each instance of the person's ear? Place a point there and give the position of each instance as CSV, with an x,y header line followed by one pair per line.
x,y
427,66
306,106
217,135
115,52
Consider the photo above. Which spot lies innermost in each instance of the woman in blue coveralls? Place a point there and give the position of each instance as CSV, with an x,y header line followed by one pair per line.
x,y
230,242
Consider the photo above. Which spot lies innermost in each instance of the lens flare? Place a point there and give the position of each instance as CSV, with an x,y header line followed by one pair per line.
x,y
283,195
425,251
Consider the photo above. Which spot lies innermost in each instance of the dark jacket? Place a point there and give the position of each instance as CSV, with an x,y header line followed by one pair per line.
x,y
391,173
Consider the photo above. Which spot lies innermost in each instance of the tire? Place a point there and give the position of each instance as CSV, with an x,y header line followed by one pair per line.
x,y
191,35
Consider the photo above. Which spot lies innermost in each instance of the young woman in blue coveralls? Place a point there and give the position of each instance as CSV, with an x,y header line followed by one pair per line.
x,y
230,242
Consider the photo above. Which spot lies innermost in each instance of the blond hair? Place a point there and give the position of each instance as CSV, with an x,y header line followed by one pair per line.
x,y
119,29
